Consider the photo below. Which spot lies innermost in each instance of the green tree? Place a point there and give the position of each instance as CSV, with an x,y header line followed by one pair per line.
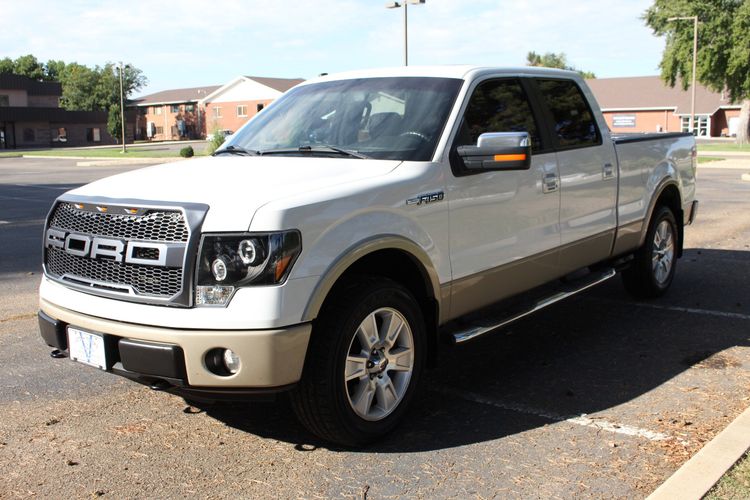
x,y
29,66
6,65
723,59
553,60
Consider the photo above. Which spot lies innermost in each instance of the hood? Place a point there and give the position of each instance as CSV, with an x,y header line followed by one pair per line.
x,y
234,187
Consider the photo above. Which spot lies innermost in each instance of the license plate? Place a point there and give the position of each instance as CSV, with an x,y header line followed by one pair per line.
x,y
87,348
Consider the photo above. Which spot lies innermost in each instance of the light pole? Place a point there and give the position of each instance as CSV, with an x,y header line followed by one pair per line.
x,y
122,109
695,58
404,4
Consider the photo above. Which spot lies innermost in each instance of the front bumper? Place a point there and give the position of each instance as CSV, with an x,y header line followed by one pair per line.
x,y
270,359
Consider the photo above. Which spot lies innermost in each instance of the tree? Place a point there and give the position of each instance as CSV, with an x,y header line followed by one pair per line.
x,y
552,60
723,59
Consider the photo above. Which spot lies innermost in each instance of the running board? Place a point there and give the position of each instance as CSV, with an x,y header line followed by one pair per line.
x,y
478,330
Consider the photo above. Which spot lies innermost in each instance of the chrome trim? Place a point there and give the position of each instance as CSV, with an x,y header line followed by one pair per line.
x,y
550,182
474,332
194,214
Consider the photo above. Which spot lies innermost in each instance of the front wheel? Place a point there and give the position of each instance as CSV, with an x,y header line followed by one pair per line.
x,y
363,364
654,266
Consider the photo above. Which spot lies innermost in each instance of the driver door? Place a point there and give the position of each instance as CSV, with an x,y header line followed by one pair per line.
x,y
504,224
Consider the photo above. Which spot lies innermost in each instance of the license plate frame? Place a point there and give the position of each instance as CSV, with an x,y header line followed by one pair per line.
x,y
87,348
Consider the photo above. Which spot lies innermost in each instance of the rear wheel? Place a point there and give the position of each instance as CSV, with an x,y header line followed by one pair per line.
x,y
654,266
363,364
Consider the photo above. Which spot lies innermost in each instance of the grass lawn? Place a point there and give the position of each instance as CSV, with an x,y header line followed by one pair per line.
x,y
102,153
729,146
706,159
735,483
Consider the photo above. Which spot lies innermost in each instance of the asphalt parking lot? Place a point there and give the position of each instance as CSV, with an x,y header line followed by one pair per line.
x,y
598,396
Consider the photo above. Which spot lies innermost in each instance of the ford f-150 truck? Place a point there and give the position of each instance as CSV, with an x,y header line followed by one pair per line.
x,y
332,242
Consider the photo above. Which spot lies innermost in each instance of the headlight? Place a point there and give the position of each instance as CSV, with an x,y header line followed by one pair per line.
x,y
229,261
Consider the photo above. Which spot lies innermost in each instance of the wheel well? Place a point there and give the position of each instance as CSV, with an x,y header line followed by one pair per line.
x,y
401,267
670,197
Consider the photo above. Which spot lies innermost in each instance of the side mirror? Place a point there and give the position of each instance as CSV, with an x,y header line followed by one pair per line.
x,y
498,151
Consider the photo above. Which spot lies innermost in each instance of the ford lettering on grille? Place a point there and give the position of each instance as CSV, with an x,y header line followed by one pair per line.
x,y
145,253
138,254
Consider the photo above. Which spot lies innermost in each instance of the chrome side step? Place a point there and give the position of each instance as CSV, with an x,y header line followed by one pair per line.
x,y
476,331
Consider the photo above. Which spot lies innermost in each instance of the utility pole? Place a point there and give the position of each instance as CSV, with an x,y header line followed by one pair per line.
x,y
695,59
122,111
404,4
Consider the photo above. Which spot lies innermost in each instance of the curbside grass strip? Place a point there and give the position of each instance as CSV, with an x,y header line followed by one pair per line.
x,y
699,474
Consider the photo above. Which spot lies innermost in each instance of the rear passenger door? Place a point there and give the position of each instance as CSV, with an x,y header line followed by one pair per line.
x,y
504,230
588,174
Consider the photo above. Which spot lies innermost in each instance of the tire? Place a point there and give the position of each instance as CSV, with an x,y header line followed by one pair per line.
x,y
353,390
653,269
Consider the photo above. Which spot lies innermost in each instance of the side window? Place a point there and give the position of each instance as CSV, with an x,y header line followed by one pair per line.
x,y
574,124
498,106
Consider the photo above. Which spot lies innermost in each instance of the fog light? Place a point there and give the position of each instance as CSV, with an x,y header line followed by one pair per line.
x,y
213,295
231,361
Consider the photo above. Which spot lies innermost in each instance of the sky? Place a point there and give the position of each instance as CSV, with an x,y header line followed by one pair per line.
x,y
193,43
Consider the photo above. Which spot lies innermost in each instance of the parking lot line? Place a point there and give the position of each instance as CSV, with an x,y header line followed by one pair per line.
x,y
691,310
582,420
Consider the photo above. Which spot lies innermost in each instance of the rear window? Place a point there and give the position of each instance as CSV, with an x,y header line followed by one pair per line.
x,y
574,124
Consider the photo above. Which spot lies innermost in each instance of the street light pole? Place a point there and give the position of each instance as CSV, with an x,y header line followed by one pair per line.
x,y
404,4
695,58
122,111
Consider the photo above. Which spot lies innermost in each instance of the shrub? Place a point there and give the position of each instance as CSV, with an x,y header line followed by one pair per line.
x,y
187,152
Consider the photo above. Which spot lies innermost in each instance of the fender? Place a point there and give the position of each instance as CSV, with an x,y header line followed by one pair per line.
x,y
361,249
663,184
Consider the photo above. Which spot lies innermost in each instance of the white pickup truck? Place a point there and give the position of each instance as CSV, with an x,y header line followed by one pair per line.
x,y
331,243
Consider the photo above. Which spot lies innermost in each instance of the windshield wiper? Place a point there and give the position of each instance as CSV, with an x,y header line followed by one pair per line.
x,y
317,148
236,150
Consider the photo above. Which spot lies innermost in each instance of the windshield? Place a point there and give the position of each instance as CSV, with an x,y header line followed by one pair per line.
x,y
386,118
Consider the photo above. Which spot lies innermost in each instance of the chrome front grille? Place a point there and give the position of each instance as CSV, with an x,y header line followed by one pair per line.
x,y
114,250
154,225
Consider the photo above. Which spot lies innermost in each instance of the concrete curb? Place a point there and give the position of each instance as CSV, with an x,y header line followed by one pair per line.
x,y
703,471
88,161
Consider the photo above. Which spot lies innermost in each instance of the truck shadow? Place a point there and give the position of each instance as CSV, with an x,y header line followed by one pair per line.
x,y
587,355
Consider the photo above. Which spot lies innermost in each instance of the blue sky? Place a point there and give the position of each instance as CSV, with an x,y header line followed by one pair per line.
x,y
196,42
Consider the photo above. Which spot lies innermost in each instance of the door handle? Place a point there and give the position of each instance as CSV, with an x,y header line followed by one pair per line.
x,y
550,182
608,171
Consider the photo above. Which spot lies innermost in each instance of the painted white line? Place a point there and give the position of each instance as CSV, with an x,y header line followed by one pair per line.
x,y
691,310
582,420
4,222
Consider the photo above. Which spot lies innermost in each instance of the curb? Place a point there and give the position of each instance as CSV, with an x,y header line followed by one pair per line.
x,y
699,474
104,162
746,177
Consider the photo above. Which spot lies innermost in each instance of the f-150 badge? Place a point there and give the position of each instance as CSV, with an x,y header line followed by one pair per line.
x,y
424,199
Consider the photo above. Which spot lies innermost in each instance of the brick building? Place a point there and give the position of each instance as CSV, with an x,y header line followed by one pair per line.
x,y
231,105
171,114
647,104
31,116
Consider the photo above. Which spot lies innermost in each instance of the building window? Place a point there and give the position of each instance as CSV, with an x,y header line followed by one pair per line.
x,y
157,110
28,135
241,110
4,101
259,107
144,110
175,108
189,108
217,112
159,130
93,135
701,125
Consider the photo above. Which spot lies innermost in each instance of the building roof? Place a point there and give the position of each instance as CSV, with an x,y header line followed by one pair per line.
x,y
174,96
10,81
650,92
280,84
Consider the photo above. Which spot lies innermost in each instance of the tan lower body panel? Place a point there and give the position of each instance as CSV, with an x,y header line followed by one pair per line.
x,y
268,358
